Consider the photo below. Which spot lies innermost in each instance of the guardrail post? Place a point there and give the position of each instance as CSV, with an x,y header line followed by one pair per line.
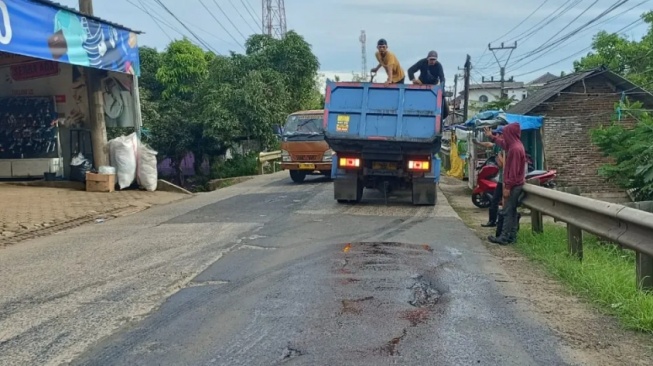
x,y
644,268
537,222
575,241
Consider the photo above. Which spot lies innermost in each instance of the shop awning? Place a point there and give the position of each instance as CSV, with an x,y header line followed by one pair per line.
x,y
46,30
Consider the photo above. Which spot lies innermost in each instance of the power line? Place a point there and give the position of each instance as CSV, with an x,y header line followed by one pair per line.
x,y
229,19
219,23
202,42
624,29
522,22
566,37
251,14
242,17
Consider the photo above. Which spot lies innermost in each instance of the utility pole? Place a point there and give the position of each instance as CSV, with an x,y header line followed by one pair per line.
x,y
96,107
502,67
455,91
363,40
274,18
468,72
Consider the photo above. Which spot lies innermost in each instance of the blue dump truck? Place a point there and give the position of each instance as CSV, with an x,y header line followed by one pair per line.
x,y
385,137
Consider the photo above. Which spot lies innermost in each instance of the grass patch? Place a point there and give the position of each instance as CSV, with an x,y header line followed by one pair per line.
x,y
606,276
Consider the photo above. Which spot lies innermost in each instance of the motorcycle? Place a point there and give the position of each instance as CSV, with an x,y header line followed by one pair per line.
x,y
488,177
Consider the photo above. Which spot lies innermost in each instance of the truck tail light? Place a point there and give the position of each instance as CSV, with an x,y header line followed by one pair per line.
x,y
419,165
349,163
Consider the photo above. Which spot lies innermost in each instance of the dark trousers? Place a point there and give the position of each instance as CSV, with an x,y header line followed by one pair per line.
x,y
507,229
400,81
494,203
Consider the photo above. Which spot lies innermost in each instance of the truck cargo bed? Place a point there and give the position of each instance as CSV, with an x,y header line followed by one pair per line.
x,y
360,115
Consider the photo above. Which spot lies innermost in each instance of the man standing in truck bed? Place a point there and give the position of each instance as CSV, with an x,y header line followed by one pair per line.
x,y
430,73
389,62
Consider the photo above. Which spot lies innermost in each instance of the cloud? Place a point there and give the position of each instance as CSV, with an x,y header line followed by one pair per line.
x,y
412,28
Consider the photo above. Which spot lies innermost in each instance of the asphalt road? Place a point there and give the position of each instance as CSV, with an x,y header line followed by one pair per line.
x,y
263,273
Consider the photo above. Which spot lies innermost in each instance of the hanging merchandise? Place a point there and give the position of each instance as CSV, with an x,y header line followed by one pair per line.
x,y
28,129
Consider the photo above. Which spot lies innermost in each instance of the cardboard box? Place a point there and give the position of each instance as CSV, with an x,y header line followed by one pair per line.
x,y
100,182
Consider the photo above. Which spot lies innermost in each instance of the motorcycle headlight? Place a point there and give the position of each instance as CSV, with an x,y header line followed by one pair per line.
x,y
328,155
285,156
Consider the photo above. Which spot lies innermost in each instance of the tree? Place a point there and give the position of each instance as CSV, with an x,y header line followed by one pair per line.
x,y
502,104
632,152
178,129
629,58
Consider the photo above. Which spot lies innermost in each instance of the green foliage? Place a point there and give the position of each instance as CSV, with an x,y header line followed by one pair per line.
x,y
238,166
502,104
632,152
629,58
605,276
197,101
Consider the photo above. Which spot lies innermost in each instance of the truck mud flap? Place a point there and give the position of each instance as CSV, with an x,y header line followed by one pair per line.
x,y
347,188
425,192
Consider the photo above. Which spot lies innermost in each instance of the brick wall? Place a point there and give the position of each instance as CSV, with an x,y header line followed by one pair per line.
x,y
569,118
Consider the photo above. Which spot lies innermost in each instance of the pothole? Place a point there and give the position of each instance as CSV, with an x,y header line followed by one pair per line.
x,y
423,294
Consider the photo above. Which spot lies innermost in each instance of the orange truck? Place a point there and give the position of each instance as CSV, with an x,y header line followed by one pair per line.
x,y
303,149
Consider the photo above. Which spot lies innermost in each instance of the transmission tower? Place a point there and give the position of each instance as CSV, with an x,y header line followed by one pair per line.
x,y
274,18
363,40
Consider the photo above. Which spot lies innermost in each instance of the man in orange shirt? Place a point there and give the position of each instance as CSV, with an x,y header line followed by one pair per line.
x,y
389,62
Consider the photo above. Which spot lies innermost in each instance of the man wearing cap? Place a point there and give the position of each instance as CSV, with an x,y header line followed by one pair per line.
x,y
389,62
498,191
430,70
430,73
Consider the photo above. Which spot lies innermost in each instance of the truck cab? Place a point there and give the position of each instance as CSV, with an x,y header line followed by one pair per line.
x,y
304,150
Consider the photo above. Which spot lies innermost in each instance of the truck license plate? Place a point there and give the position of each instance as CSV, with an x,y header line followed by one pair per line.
x,y
377,165
307,166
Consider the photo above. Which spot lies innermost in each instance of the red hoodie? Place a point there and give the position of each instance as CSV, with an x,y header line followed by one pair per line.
x,y
514,171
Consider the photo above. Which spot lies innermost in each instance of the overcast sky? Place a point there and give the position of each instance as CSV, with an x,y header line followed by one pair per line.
x,y
411,27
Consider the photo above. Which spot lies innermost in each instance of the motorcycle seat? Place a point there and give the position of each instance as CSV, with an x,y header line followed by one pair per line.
x,y
535,173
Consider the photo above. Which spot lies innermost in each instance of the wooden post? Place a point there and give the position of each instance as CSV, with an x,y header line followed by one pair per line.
x,y
575,241
644,268
96,104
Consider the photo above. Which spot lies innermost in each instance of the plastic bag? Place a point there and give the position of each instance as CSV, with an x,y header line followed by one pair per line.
x,y
79,165
123,155
147,167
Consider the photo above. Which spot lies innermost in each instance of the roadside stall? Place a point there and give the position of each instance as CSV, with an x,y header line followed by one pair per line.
x,y
46,51
531,137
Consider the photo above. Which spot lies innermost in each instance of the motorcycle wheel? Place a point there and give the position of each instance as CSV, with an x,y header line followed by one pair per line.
x,y
480,200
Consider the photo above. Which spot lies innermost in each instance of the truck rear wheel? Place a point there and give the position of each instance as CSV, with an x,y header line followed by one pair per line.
x,y
297,176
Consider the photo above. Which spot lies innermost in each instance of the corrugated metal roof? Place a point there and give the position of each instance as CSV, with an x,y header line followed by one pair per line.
x,y
550,89
72,10
544,79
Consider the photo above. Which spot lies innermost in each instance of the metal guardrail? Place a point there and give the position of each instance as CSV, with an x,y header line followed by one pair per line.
x,y
629,227
269,156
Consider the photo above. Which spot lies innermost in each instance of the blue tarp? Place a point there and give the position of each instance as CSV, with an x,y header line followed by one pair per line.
x,y
36,30
499,117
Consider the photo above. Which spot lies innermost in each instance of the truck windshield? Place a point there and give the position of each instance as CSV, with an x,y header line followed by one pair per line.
x,y
304,126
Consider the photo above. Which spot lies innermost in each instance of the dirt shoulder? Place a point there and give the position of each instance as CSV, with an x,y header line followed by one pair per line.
x,y
592,337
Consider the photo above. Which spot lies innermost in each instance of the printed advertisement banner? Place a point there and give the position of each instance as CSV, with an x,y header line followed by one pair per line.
x,y
36,30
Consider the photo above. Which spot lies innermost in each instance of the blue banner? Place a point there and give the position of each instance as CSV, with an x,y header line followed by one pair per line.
x,y
33,29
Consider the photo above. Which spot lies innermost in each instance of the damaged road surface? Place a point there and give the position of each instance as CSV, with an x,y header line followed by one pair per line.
x,y
316,283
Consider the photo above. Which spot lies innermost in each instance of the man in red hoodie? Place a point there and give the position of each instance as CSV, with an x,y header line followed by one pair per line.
x,y
514,173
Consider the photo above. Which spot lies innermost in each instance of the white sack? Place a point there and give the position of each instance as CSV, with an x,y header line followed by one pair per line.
x,y
123,155
147,168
